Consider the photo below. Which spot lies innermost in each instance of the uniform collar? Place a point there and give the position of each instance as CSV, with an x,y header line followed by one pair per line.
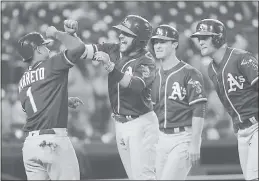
x,y
176,67
224,59
35,65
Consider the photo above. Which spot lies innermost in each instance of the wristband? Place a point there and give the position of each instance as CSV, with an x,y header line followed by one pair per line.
x,y
109,66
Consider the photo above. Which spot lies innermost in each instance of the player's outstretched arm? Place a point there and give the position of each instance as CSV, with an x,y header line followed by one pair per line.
x,y
75,47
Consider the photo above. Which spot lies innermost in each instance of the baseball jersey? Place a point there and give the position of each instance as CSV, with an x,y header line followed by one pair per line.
x,y
124,101
44,95
174,93
233,80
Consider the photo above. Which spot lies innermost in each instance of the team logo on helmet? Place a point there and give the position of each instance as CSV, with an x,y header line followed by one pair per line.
x,y
203,27
126,23
195,84
159,31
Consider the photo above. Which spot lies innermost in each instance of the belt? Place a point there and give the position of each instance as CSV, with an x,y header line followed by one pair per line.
x,y
59,131
246,124
174,130
123,118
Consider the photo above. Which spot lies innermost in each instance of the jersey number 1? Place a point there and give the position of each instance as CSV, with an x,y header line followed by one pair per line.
x,y
29,94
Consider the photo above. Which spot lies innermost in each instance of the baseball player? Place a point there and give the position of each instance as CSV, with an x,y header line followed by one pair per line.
x,y
48,153
234,73
131,71
179,102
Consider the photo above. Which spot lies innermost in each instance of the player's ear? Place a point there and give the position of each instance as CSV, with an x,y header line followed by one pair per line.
x,y
38,49
175,44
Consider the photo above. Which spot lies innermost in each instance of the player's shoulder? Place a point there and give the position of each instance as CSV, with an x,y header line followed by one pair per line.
x,y
189,69
146,58
242,56
238,51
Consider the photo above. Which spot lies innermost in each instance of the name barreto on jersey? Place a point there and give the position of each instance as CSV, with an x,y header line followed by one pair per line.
x,y
31,76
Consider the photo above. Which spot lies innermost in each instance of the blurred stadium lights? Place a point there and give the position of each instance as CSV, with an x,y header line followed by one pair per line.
x,y
5,19
43,27
223,9
117,12
181,4
238,16
56,19
173,11
198,10
16,12
42,13
6,35
255,23
66,13
157,19
188,18
86,34
102,5
157,5
108,19
230,24
231,3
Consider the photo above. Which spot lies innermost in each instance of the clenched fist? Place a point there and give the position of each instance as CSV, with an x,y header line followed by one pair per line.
x,y
74,102
101,56
71,26
51,32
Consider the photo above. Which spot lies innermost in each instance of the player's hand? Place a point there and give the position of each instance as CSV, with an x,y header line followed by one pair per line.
x,y
104,58
194,154
70,26
51,32
101,56
74,102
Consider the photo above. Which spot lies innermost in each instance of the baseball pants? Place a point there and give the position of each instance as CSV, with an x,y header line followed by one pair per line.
x,y
248,151
50,156
172,161
136,142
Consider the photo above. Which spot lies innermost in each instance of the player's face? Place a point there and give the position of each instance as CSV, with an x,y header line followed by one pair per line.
x,y
162,48
207,47
125,41
44,51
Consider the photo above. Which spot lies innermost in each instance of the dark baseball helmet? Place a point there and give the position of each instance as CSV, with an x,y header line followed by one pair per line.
x,y
211,27
28,43
136,26
165,32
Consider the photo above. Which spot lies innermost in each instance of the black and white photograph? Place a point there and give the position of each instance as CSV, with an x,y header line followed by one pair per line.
x,y
129,90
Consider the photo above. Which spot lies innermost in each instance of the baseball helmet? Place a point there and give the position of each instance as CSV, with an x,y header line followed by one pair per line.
x,y
136,26
28,43
165,32
211,27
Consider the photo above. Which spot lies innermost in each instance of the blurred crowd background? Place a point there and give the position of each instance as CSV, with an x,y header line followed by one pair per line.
x,y
88,81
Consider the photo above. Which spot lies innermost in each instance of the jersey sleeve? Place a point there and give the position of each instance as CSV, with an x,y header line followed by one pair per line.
x,y
195,87
60,62
249,67
105,47
146,70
